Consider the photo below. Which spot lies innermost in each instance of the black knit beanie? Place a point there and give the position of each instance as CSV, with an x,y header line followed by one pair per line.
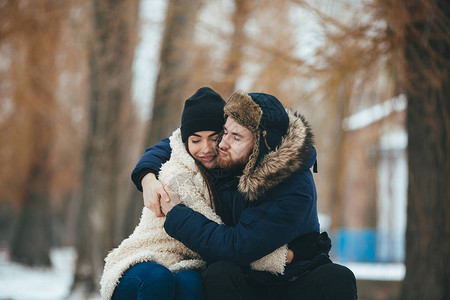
x,y
203,111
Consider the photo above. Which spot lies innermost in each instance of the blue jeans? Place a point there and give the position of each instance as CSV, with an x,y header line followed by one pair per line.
x,y
150,280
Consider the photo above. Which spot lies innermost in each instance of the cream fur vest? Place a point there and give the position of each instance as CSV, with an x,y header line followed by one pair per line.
x,y
149,241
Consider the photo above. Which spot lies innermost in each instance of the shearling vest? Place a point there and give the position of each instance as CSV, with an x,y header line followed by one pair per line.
x,y
149,241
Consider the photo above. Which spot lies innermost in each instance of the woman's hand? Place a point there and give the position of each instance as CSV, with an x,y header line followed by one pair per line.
x,y
167,206
154,194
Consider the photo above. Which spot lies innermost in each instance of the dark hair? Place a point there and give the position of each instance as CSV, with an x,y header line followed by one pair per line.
x,y
213,198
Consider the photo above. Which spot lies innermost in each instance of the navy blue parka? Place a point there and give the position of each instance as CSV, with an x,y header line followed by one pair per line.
x,y
263,209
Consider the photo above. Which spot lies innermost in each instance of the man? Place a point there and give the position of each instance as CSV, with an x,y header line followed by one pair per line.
x,y
268,199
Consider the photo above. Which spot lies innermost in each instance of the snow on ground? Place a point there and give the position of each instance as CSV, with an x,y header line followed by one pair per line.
x,y
18,282
377,271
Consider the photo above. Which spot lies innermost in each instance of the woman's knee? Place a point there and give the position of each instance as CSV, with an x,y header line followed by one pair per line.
x,y
141,277
189,284
156,274
188,278
150,273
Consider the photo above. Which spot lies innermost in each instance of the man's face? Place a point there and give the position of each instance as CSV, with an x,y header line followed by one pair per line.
x,y
236,145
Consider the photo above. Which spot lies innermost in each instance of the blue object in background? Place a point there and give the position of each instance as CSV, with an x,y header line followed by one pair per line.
x,y
357,245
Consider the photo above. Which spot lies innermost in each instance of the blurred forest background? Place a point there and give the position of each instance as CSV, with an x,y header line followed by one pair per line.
x,y
86,86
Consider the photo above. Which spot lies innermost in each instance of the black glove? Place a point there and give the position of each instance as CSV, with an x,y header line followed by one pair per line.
x,y
308,246
323,244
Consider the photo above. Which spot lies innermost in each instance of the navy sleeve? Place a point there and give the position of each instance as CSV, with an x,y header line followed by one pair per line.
x,y
151,161
261,229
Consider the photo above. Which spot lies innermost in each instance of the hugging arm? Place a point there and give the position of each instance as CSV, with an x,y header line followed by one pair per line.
x,y
260,230
144,175
151,161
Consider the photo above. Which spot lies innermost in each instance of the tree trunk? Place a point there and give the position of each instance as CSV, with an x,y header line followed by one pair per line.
x,y
171,85
175,68
31,239
337,158
427,71
110,66
35,77
236,51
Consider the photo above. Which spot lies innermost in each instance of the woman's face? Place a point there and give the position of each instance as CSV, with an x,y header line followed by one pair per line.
x,y
202,146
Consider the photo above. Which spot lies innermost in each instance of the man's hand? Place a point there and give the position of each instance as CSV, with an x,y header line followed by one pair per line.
x,y
289,256
154,194
167,206
310,245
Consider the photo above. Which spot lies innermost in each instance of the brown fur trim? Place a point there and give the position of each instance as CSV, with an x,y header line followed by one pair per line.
x,y
281,163
241,107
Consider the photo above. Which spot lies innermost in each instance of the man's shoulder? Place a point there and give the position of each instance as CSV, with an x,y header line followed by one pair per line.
x,y
299,182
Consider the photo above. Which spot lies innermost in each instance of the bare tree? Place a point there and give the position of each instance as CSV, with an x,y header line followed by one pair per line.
x,y
272,47
175,72
34,78
426,46
175,68
111,55
235,54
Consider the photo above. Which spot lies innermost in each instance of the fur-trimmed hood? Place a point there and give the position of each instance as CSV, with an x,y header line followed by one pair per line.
x,y
294,152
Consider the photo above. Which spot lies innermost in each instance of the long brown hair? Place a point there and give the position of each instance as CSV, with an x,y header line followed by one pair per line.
x,y
213,198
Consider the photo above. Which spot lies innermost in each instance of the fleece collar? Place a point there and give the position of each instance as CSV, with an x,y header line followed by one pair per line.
x,y
279,164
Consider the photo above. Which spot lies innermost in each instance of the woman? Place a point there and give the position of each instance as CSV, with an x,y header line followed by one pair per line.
x,y
151,265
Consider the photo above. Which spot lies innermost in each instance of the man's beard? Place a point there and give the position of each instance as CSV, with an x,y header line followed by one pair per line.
x,y
228,164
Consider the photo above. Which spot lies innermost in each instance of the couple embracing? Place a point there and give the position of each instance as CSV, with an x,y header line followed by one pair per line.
x,y
231,210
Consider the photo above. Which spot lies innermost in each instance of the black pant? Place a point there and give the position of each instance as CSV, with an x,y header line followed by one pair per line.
x,y
225,280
